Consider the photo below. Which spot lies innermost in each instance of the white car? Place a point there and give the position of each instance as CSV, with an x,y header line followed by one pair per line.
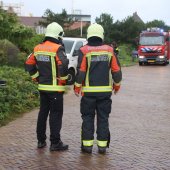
x,y
72,46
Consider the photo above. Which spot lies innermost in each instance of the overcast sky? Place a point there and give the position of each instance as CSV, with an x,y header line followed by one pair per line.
x,y
148,10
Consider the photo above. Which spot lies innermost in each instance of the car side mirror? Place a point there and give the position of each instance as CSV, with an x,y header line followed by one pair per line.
x,y
75,53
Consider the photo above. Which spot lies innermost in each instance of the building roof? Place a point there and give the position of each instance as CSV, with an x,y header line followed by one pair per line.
x,y
30,21
34,21
77,25
136,17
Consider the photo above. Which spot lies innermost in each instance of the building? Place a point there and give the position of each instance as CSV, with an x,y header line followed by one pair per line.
x,y
136,17
32,22
80,21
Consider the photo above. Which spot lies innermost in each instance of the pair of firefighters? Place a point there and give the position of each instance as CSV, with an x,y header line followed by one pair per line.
x,y
98,74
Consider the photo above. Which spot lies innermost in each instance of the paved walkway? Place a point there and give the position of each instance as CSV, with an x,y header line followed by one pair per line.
x,y
139,124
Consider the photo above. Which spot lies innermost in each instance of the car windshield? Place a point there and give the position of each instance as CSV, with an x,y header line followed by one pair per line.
x,y
151,40
68,44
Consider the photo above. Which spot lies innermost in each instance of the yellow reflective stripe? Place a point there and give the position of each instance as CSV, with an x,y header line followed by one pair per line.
x,y
88,55
64,78
77,84
99,53
45,53
35,75
102,143
87,74
88,142
51,87
54,74
110,74
97,89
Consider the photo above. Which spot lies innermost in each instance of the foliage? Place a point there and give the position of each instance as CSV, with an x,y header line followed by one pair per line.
x,y
157,23
29,44
130,29
12,30
125,55
18,95
8,53
106,20
20,33
62,19
127,30
7,21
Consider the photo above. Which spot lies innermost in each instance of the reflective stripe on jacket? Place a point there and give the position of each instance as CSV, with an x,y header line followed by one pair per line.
x,y
96,67
48,65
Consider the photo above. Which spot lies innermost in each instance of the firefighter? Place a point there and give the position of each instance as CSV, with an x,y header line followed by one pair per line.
x,y
98,73
48,66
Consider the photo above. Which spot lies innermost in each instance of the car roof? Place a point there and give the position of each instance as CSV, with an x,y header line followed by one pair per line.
x,y
74,39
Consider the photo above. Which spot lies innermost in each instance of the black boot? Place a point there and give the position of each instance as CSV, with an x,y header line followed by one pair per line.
x,y
86,149
101,150
60,146
41,144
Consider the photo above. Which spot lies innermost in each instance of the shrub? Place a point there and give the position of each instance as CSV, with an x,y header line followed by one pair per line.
x,y
28,44
125,55
8,53
18,96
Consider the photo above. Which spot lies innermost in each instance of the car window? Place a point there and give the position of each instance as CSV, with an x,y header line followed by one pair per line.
x,y
68,44
78,45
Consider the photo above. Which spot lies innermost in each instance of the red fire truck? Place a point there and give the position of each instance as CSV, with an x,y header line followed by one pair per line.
x,y
154,47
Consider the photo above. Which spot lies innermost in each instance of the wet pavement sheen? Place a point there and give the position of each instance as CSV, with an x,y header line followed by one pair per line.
x,y
139,125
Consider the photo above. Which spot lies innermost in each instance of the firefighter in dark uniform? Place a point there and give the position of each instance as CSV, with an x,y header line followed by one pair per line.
x,y
48,66
98,73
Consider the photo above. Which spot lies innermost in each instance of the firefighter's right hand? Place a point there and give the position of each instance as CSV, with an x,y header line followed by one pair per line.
x,y
116,88
77,90
35,80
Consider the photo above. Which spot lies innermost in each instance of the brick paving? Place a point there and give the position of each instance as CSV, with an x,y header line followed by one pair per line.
x,y
139,124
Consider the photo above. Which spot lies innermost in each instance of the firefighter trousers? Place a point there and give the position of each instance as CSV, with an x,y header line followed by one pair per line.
x,y
101,106
51,103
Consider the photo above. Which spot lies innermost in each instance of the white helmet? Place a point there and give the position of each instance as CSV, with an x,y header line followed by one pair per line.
x,y
95,30
54,30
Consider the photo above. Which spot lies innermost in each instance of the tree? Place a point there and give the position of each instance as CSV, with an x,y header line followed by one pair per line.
x,y
7,21
130,29
63,19
106,20
157,23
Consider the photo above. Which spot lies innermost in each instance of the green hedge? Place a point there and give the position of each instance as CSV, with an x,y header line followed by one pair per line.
x,y
18,96
125,55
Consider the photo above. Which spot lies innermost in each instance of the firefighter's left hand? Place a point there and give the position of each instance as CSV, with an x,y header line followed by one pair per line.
x,y
116,88
77,90
35,80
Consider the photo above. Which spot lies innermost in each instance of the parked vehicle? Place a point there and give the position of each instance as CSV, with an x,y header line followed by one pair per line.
x,y
154,47
72,46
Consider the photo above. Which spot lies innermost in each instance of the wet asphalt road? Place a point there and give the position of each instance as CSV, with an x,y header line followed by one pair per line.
x,y
139,125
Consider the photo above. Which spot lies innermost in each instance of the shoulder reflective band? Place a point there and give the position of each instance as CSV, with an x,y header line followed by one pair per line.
x,y
45,53
102,143
97,89
35,75
88,142
51,87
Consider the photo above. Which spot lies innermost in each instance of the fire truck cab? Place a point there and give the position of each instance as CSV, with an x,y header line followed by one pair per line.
x,y
154,47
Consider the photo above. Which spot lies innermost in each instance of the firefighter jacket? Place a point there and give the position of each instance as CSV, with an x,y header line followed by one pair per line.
x,y
49,65
98,69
